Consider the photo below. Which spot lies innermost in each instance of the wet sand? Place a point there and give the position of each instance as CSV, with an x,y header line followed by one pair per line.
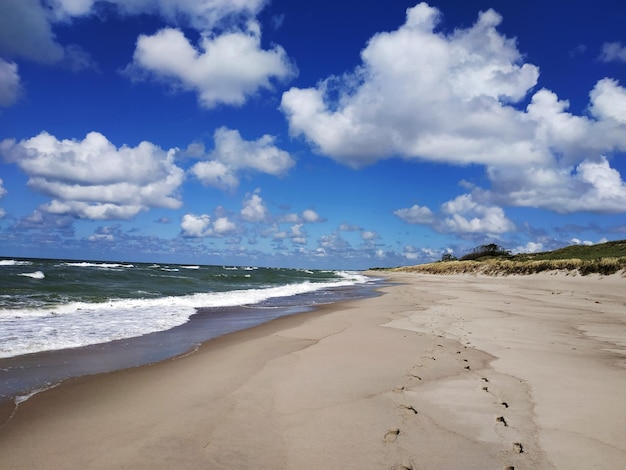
x,y
440,372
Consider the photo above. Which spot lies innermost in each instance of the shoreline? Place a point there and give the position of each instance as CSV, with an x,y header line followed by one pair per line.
x,y
439,372
25,375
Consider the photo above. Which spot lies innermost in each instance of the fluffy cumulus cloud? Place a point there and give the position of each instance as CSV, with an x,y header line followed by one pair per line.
x,y
310,216
254,209
369,235
93,179
461,215
223,69
608,105
416,215
232,155
200,226
421,93
464,215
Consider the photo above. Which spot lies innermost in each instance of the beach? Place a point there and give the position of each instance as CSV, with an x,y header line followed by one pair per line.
x,y
438,372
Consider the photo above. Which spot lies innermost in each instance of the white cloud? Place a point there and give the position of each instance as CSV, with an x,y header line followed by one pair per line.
x,y
464,215
530,247
105,234
591,186
455,98
254,209
214,173
200,226
10,86
416,215
332,243
613,52
608,101
296,234
412,254
223,226
460,215
93,179
369,235
232,154
196,226
224,69
423,94
310,216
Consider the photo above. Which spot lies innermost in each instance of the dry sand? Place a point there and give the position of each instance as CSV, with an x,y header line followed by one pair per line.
x,y
441,372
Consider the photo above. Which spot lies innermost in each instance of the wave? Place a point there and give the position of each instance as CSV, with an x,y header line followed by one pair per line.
x,y
13,262
35,275
76,324
84,264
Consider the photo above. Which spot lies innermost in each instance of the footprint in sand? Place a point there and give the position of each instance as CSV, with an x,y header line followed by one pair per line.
x,y
391,435
410,408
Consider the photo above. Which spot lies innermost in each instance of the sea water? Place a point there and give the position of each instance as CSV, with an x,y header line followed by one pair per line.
x,y
63,318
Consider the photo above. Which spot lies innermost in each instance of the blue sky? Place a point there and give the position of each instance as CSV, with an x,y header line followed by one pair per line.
x,y
309,134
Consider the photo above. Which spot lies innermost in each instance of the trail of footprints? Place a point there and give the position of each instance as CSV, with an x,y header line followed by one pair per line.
x,y
393,433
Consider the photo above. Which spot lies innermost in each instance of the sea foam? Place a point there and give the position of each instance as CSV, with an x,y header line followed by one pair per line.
x,y
76,324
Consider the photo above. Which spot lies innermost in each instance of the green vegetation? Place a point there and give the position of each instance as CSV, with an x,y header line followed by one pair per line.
x,y
484,252
606,258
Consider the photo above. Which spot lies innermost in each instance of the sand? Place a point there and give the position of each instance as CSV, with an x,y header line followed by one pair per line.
x,y
440,372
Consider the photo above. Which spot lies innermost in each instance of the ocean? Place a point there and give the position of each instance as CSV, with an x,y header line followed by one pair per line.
x,y
66,318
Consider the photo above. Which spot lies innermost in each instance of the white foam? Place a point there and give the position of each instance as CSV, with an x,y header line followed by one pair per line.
x,y
35,275
24,331
13,262
84,264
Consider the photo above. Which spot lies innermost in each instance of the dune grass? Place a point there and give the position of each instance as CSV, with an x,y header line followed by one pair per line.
x,y
606,258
